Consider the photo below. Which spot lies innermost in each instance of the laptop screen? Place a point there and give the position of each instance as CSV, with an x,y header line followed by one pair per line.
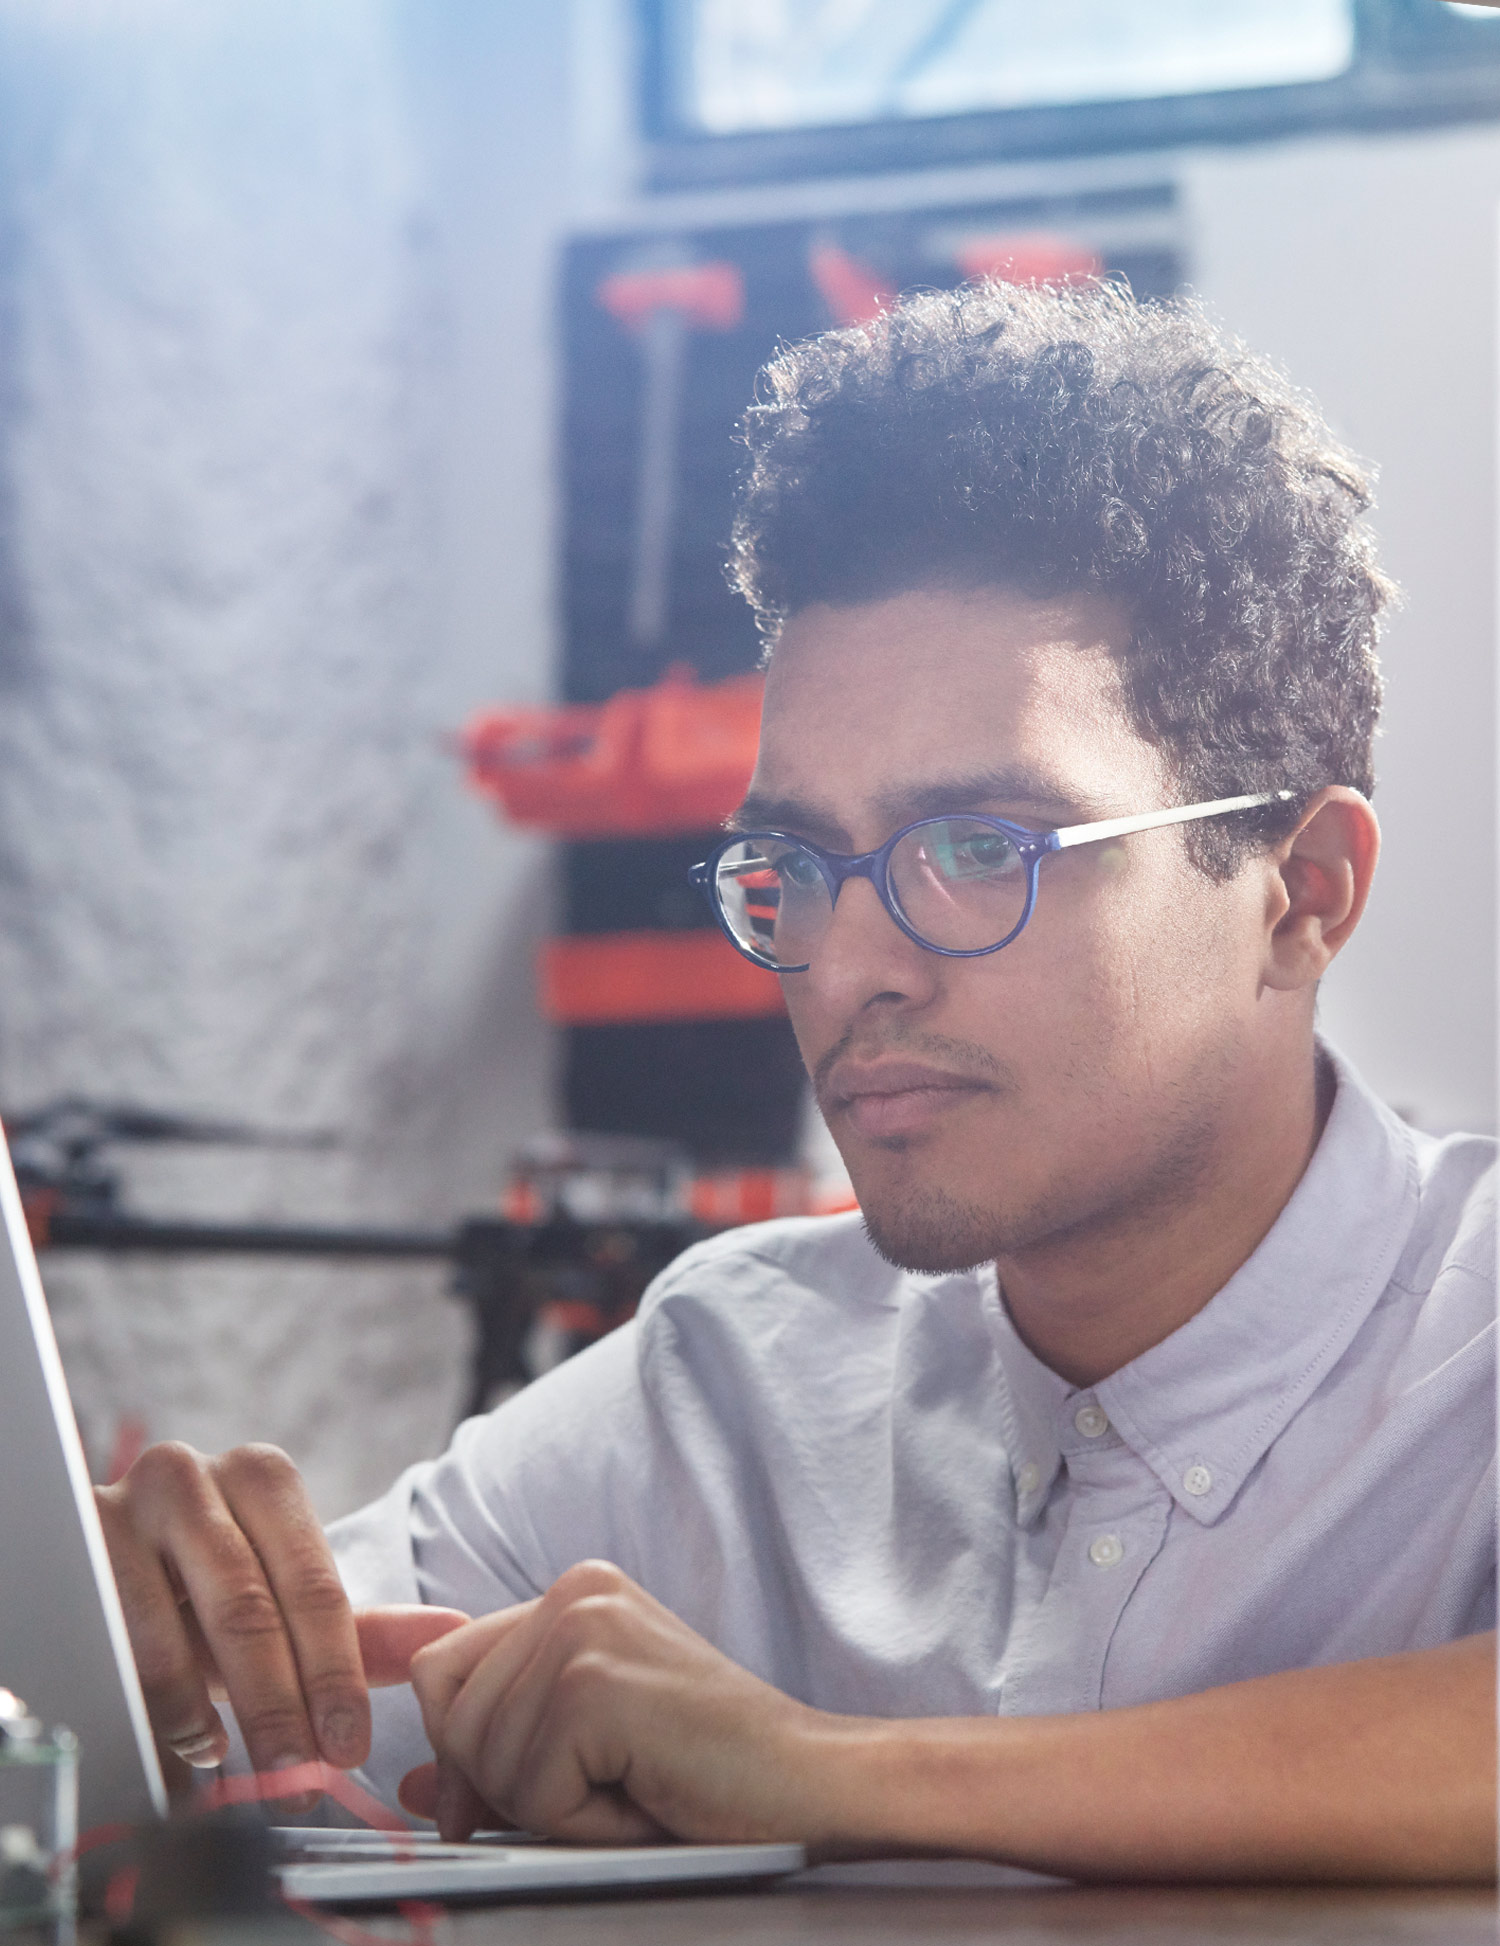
x,y
63,1646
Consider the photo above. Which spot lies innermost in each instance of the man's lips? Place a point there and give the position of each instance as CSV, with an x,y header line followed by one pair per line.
x,y
897,1097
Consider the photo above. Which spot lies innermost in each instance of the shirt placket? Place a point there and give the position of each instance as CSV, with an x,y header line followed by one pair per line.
x,y
1114,1513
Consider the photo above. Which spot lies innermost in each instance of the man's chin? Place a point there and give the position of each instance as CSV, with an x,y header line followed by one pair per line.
x,y
934,1233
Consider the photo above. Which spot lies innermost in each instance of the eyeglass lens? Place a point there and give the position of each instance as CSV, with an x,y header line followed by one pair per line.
x,y
958,884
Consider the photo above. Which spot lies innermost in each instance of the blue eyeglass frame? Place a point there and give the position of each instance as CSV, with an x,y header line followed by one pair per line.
x,y
839,867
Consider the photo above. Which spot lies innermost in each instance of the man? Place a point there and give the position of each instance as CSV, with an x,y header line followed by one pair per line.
x,y
1117,1495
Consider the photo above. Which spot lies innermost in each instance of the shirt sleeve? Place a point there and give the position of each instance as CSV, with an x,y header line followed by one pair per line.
x,y
522,1493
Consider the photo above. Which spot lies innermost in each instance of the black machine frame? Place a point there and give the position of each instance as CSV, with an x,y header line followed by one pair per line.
x,y
505,1272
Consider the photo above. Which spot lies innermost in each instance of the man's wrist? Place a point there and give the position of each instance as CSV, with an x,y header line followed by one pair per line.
x,y
869,1786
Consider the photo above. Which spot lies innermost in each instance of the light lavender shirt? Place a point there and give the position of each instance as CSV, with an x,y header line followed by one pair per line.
x,y
861,1485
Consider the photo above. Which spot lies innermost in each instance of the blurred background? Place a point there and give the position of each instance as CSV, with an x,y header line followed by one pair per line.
x,y
367,679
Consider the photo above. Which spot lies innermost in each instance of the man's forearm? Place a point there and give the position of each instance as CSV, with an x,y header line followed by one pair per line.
x,y
594,1714
1382,1769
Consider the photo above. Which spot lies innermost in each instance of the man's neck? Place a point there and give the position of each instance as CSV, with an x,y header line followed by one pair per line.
x,y
1092,1301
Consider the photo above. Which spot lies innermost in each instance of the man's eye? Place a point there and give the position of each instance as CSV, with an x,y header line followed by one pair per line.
x,y
799,871
983,853
978,854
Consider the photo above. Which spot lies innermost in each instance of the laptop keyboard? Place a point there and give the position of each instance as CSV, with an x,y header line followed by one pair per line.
x,y
311,1845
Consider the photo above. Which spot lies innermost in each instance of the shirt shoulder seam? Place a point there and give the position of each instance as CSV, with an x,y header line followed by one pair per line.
x,y
1481,1273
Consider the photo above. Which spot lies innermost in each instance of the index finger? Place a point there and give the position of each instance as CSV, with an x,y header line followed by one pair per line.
x,y
265,1494
389,1636
440,1671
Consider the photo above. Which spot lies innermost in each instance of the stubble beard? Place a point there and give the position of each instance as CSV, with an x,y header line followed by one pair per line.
x,y
930,1230
1152,1157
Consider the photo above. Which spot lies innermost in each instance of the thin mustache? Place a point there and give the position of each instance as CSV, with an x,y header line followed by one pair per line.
x,y
965,1058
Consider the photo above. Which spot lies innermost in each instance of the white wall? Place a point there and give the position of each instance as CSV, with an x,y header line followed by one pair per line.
x,y
1369,269
278,379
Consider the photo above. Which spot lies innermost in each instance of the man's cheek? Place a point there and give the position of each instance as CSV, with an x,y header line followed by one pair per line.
x,y
815,1034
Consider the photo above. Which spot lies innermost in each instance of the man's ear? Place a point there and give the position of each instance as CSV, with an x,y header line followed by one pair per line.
x,y
1319,884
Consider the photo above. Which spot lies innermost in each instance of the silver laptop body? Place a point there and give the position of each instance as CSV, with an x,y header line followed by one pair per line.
x,y
63,1645
64,1649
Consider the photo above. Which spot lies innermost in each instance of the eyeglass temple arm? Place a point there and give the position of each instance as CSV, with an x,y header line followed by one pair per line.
x,y
1089,834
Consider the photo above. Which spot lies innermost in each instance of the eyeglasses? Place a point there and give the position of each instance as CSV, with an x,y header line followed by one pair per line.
x,y
959,886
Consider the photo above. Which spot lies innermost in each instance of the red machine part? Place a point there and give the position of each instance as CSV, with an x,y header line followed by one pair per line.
x,y
647,763
728,1197
853,292
603,979
709,296
1028,257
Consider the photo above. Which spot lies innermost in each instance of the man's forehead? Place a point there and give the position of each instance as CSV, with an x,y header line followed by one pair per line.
x,y
934,701
945,659
1030,794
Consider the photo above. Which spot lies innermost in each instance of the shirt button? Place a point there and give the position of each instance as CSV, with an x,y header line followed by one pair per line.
x,y
1092,1421
1107,1551
1197,1479
1030,1477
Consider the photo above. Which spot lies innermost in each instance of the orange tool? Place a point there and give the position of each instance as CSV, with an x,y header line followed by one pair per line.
x,y
675,757
1028,257
852,291
606,979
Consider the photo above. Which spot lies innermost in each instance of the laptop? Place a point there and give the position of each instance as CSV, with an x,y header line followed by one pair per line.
x,y
65,1651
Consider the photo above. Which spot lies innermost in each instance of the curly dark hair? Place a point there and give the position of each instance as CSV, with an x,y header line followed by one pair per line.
x,y
1067,440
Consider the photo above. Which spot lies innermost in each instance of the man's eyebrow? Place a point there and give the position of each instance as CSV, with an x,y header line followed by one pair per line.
x,y
1014,786
1017,788
763,812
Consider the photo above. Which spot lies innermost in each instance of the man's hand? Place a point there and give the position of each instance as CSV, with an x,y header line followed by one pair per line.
x,y
595,1715
230,1591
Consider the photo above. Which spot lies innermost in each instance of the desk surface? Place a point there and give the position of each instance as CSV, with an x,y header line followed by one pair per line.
x,y
844,1909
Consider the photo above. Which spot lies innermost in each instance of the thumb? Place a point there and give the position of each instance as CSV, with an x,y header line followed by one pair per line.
x,y
417,1792
442,1794
389,1637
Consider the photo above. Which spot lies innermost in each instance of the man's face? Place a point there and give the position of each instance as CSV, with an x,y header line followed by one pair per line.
x,y
1081,1076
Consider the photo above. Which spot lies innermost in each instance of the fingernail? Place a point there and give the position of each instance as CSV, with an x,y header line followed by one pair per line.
x,y
204,1751
339,1735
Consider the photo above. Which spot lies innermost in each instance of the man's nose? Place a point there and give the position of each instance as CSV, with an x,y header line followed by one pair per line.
x,y
864,955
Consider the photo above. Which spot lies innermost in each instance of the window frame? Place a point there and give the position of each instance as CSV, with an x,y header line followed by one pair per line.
x,y
1412,67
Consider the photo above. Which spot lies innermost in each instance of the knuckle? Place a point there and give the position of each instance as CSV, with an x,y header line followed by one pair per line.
x,y
586,1578
591,1618
256,1464
247,1613
434,1680
315,1591
584,1677
275,1726
330,1689
172,1467
572,1629
601,1611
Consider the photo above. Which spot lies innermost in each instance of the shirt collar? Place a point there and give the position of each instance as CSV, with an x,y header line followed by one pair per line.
x,y
1203,1406
1033,1402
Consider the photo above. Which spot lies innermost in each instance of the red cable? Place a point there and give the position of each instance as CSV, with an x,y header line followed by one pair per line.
x,y
259,1787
